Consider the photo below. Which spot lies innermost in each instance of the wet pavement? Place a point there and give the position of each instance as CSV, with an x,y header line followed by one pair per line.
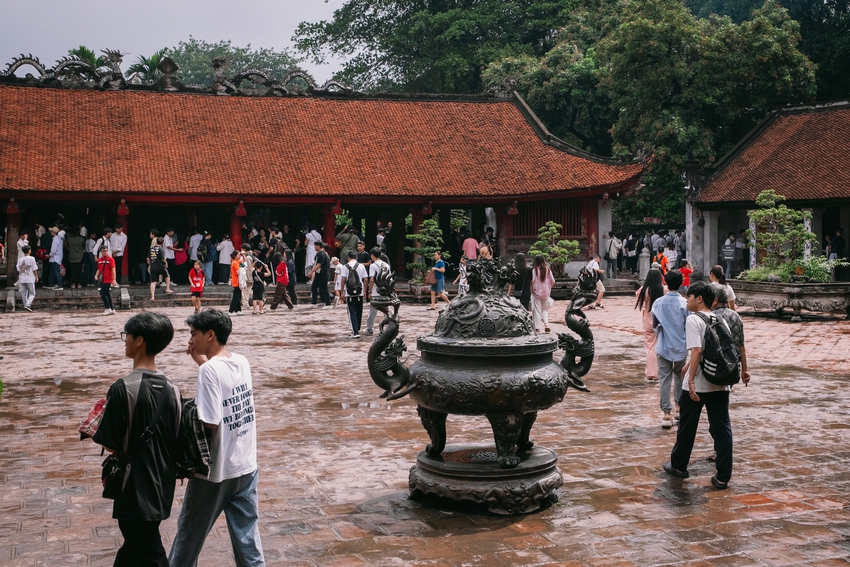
x,y
334,457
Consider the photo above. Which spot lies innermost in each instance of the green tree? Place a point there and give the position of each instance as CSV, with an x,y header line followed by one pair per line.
x,y
145,68
433,46
429,239
194,58
555,250
781,232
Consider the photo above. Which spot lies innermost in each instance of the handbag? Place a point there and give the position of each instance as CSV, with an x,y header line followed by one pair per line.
x,y
116,469
430,278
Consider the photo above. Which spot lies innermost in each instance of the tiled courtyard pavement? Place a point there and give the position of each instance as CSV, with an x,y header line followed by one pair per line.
x,y
334,458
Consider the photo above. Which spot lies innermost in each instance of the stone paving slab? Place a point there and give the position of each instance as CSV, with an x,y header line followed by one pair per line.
x,y
334,457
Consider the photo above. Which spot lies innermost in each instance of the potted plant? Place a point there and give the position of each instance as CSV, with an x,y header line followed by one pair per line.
x,y
556,250
784,278
427,240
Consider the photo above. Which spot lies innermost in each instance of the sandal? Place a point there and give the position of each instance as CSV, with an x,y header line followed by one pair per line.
x,y
168,292
600,306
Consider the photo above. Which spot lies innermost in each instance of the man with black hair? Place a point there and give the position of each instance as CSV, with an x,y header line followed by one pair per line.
x,y
319,274
377,266
158,266
669,313
701,393
347,241
837,245
354,294
118,241
149,480
225,402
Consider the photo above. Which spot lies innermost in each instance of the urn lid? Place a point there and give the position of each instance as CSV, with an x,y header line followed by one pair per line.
x,y
486,321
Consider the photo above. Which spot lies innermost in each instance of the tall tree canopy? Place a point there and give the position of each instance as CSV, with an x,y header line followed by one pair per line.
x,y
194,58
430,45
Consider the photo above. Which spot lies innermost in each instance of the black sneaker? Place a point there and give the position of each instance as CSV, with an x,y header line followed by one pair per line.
x,y
668,468
719,484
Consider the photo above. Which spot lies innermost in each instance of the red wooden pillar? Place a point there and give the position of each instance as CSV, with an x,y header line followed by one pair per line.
x,y
236,225
330,229
590,224
123,213
13,226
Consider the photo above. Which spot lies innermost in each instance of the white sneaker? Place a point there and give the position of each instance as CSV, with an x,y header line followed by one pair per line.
x,y
162,284
107,311
112,312
667,421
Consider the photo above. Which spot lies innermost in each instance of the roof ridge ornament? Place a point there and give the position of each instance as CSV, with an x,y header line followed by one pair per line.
x,y
168,81
505,89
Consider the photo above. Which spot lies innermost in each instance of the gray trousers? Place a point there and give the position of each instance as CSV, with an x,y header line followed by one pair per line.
x,y
669,371
27,293
370,320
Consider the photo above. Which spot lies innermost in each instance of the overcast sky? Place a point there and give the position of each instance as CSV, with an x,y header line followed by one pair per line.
x,y
49,28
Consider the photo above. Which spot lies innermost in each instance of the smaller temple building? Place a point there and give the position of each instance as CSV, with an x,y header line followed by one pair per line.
x,y
800,152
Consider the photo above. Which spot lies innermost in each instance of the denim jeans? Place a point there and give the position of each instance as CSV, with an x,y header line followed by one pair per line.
x,y
203,503
27,293
208,272
717,407
669,371
55,274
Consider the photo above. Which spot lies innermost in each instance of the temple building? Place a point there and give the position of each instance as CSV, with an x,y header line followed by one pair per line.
x,y
800,152
99,148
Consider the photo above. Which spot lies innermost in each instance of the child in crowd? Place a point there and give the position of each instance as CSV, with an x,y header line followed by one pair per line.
x,y
106,275
338,270
196,284
27,277
686,270
281,282
463,286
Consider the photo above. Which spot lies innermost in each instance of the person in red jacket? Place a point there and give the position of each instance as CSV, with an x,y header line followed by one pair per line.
x,y
106,275
196,285
281,282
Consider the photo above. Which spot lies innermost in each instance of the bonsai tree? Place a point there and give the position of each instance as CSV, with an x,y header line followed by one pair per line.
x,y
430,240
781,231
555,250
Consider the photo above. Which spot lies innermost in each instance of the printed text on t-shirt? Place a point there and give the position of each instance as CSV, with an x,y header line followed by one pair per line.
x,y
241,404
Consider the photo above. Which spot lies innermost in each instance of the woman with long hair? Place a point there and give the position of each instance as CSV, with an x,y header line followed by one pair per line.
x,y
542,281
718,276
521,289
653,288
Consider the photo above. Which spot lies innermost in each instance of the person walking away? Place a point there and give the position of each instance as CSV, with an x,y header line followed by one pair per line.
x,y
347,241
76,253
281,273
158,267
542,281
106,275
661,260
293,278
118,241
612,252
669,314
521,289
701,393
593,267
27,277
245,268
259,270
131,403
311,239
225,402
319,273
236,259
652,290
197,278
716,275
57,254
470,246
461,280
631,254
225,251
205,253
194,244
376,267
355,278
672,257
337,267
438,289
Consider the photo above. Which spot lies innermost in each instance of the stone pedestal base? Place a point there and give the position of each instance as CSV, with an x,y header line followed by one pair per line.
x,y
472,473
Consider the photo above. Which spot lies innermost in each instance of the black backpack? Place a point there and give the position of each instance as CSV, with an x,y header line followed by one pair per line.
x,y
721,361
353,285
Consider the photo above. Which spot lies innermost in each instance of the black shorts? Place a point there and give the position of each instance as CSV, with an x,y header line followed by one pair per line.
x,y
259,291
158,270
197,294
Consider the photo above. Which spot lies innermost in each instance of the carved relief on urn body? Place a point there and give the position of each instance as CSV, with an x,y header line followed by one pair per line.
x,y
483,358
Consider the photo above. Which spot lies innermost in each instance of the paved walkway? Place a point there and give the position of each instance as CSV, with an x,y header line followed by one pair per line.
x,y
334,457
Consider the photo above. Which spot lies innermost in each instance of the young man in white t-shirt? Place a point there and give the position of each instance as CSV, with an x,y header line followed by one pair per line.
x,y
354,299
701,393
375,268
225,401
27,277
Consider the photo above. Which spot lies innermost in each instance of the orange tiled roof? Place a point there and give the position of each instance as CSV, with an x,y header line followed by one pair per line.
x,y
141,142
801,153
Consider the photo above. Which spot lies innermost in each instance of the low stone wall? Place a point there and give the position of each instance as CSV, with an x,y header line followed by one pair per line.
x,y
796,296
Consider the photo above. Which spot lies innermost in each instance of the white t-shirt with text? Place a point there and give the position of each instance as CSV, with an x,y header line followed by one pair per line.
x,y
26,269
225,397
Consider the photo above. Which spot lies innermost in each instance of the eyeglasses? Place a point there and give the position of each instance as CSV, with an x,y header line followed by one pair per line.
x,y
124,336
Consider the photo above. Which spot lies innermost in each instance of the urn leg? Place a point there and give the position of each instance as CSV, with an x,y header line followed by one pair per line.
x,y
524,443
506,429
434,423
